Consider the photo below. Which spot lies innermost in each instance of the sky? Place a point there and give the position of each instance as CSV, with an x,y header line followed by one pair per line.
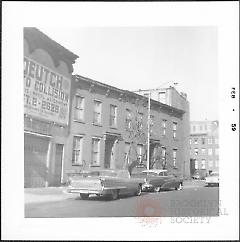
x,y
135,58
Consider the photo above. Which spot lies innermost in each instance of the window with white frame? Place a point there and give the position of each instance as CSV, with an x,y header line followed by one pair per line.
x,y
97,112
203,163
79,108
128,118
164,155
151,123
164,127
195,141
77,150
174,129
196,151
140,153
203,150
196,164
210,151
174,157
209,141
95,161
210,163
162,97
113,115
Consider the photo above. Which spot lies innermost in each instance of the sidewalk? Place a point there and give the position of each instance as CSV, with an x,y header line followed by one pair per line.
x,y
51,194
46,194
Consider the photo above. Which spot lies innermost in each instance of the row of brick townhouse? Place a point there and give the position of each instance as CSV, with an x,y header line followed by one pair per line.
x,y
72,122
204,145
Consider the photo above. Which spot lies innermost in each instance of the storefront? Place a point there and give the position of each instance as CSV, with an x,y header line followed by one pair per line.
x,y
47,90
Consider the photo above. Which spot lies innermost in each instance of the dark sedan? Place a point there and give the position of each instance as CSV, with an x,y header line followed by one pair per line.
x,y
157,179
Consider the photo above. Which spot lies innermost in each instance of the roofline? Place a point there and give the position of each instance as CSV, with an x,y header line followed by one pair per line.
x,y
130,93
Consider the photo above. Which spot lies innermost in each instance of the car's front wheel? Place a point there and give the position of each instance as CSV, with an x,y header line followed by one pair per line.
x,y
156,189
84,196
179,187
139,190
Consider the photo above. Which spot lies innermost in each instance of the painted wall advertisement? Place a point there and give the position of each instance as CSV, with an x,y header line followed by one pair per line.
x,y
46,93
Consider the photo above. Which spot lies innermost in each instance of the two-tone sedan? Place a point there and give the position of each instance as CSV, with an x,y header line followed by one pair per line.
x,y
109,183
157,179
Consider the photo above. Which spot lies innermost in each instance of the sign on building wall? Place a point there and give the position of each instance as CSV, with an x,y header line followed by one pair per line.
x,y
46,93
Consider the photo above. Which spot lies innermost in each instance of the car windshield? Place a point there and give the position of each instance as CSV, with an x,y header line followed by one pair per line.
x,y
152,173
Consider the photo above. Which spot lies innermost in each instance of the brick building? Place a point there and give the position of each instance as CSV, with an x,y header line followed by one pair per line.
x,y
73,123
47,85
204,145
109,129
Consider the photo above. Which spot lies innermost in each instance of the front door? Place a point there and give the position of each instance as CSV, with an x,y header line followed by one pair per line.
x,y
109,147
57,171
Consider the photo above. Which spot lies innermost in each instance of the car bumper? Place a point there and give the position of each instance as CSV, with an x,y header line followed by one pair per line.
x,y
87,191
147,187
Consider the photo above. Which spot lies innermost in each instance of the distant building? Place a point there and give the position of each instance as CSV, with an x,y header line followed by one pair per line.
x,y
204,147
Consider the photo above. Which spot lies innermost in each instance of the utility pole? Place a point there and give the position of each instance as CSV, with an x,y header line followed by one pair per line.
x,y
148,136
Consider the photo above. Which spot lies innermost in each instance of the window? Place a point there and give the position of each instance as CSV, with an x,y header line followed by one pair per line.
x,y
203,150
209,141
97,112
95,152
174,157
216,163
194,128
128,118
163,156
113,115
203,141
140,153
162,97
196,141
209,151
174,129
210,163
151,123
79,108
216,151
140,120
164,126
190,141
196,164
126,152
77,148
200,127
196,151
203,164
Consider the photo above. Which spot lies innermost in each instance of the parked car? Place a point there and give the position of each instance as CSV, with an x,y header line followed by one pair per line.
x,y
212,179
199,174
157,179
109,183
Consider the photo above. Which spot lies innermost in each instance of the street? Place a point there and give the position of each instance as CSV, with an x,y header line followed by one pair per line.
x,y
191,201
